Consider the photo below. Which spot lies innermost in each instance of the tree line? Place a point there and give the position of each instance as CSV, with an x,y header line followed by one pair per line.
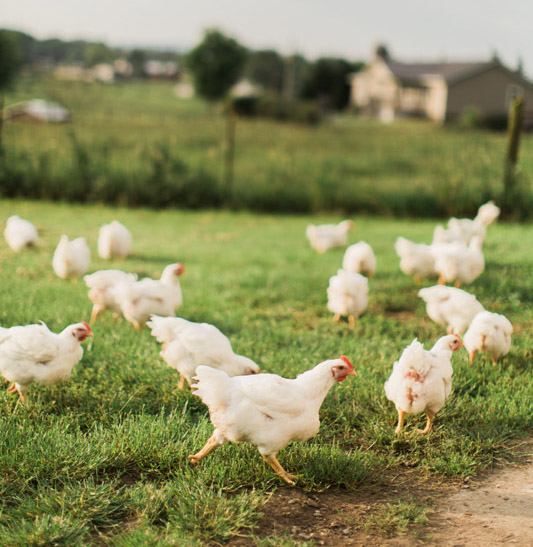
x,y
216,63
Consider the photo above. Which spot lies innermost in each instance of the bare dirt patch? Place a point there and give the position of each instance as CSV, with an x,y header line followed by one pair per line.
x,y
496,509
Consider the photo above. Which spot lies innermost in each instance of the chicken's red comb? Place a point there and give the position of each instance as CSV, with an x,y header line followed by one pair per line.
x,y
347,361
86,326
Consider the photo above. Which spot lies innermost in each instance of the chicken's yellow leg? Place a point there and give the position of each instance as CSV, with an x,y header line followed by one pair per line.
x,y
336,318
429,423
418,279
442,281
473,355
276,466
211,444
351,321
94,314
401,418
181,385
12,388
457,284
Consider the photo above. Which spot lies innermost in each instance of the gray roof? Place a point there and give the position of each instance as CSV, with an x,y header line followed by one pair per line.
x,y
413,73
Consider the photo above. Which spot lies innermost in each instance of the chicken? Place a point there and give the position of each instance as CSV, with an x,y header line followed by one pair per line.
x,y
139,300
265,409
464,229
347,295
35,354
114,240
450,307
422,380
454,262
416,259
101,294
186,345
71,258
20,233
360,258
326,236
489,332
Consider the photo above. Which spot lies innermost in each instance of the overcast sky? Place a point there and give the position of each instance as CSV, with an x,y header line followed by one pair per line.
x,y
413,29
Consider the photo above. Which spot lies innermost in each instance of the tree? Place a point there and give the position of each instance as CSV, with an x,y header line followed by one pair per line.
x,y
266,69
327,82
216,64
9,66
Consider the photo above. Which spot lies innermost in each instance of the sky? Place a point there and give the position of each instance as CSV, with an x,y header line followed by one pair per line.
x,y
412,29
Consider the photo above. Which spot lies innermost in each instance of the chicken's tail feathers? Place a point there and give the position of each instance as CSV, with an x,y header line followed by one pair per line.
x,y
212,386
162,328
414,358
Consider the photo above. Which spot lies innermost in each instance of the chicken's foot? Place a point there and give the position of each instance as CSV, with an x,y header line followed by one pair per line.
x,y
14,389
181,385
494,360
336,318
351,321
401,418
429,423
473,355
289,478
210,445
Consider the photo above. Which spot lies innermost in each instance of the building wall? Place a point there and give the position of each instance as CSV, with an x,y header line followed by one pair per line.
x,y
374,84
489,91
436,98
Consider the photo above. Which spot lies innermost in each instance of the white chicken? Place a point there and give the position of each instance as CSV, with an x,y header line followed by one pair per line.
x,y
186,345
489,332
101,294
35,354
455,262
265,409
450,307
464,229
422,380
347,295
326,236
20,233
141,299
71,258
114,240
360,258
416,259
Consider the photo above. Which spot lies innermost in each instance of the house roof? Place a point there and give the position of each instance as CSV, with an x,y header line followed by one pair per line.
x,y
413,73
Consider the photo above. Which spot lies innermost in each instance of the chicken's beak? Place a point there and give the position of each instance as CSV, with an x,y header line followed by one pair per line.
x,y
351,373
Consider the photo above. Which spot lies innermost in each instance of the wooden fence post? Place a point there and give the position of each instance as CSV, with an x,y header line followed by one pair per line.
x,y
514,130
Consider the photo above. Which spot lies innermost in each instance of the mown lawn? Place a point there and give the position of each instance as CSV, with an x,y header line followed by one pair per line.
x,y
136,143
103,458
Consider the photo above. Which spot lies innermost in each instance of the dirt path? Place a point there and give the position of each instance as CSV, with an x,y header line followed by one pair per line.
x,y
493,511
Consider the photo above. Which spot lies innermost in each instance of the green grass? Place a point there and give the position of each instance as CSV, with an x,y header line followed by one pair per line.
x,y
103,457
138,144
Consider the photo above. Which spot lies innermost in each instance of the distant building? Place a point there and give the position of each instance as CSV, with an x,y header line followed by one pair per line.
x,y
161,70
389,89
245,88
36,111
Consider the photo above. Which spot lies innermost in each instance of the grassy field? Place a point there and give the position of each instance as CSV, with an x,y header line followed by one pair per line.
x,y
102,459
138,144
